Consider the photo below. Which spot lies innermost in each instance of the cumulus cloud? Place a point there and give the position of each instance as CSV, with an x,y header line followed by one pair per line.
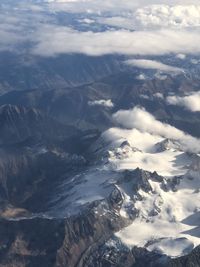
x,y
169,16
102,102
157,16
190,102
159,95
136,14
141,77
152,64
140,119
144,96
87,21
181,56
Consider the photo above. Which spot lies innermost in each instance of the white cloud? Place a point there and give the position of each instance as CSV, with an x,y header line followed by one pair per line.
x,y
133,14
105,103
144,96
169,16
39,25
195,61
159,95
87,21
92,6
190,102
155,26
65,1
152,64
181,56
156,16
52,40
140,119
110,6
141,77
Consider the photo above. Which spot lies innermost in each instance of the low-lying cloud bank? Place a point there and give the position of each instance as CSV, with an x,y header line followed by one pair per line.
x,y
190,102
152,64
142,28
140,119
52,40
102,102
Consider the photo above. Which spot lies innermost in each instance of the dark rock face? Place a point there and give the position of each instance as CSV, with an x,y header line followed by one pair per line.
x,y
139,179
27,72
116,199
111,253
30,242
116,255
191,260
50,242
86,233
19,124
25,176
35,152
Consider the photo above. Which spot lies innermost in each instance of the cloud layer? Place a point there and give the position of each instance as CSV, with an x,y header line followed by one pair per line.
x,y
102,102
52,40
140,27
152,64
140,119
190,102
